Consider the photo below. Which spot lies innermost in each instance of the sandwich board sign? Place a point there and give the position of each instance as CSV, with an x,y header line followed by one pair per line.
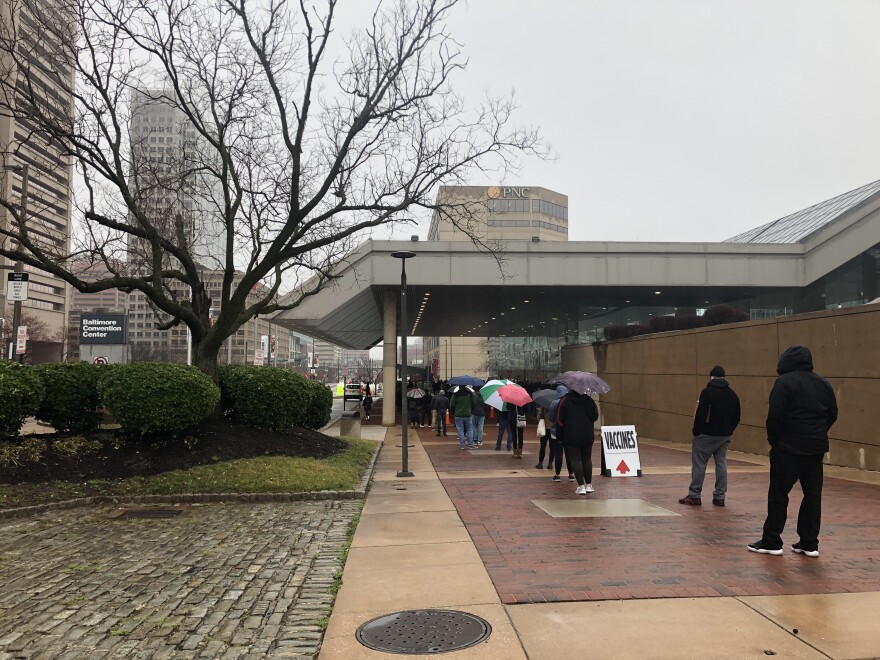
x,y
620,452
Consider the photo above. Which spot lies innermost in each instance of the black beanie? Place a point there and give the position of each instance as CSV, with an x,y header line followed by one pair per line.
x,y
717,372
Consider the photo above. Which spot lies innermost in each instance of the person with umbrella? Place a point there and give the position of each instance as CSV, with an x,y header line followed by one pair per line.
x,y
543,399
516,398
478,417
462,405
414,405
574,423
558,448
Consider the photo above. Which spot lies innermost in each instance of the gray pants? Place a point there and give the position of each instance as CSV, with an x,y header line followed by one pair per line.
x,y
702,448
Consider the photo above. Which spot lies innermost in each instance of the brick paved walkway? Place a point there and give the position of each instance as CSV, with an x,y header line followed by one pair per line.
x,y
219,581
532,557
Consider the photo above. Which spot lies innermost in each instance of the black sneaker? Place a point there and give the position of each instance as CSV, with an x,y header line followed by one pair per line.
x,y
571,477
801,550
556,477
758,546
717,502
539,466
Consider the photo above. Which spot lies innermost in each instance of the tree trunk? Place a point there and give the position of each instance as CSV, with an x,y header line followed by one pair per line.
x,y
204,357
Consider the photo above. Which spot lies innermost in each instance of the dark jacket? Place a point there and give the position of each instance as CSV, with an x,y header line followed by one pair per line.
x,y
413,406
575,417
802,405
718,409
461,403
441,403
479,406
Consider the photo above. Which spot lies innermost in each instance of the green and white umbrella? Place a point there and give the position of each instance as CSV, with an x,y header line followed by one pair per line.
x,y
489,393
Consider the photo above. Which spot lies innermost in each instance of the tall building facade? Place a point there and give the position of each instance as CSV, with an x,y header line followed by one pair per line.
x,y
496,213
40,63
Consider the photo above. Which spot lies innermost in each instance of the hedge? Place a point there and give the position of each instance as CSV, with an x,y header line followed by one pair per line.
x,y
21,391
150,398
268,397
71,401
317,412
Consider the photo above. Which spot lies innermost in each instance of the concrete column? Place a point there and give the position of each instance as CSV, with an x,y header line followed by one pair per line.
x,y
389,358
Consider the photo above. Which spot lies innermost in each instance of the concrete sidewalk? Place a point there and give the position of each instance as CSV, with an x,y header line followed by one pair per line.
x,y
412,550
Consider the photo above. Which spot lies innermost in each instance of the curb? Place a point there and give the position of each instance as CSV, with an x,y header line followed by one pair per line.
x,y
358,493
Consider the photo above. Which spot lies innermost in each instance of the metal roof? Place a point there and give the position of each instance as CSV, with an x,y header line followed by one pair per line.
x,y
797,227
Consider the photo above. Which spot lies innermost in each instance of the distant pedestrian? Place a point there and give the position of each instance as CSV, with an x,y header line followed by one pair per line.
x,y
715,420
575,417
559,449
544,439
802,410
478,417
367,404
441,405
414,409
517,416
425,417
462,404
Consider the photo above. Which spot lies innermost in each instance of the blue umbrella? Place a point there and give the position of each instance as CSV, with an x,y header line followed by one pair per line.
x,y
473,381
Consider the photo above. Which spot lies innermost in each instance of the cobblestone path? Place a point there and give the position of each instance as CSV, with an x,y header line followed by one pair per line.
x,y
217,581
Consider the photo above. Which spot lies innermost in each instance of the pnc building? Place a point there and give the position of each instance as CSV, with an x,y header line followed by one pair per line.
x,y
493,213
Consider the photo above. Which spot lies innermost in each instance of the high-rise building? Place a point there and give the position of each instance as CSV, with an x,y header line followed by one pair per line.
x,y
39,65
495,213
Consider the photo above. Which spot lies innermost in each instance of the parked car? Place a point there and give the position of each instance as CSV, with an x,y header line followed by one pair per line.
x,y
353,391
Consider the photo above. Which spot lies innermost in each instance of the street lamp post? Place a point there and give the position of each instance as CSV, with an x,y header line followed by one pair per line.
x,y
24,171
403,255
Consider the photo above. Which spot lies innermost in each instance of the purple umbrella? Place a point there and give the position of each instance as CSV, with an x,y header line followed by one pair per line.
x,y
583,382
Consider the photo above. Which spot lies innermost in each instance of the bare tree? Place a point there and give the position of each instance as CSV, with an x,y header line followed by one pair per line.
x,y
290,144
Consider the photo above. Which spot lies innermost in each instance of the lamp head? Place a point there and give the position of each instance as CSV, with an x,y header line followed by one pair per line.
x,y
403,254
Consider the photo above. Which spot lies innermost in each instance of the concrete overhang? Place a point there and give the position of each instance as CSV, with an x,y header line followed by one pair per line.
x,y
456,289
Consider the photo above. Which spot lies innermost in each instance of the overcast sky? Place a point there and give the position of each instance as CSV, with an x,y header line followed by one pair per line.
x,y
684,120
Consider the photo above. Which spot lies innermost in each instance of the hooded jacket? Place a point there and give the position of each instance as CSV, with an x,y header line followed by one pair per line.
x,y
802,405
561,391
575,417
718,409
461,403
478,405
440,402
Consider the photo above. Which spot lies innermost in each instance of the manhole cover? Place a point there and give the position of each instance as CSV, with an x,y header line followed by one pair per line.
x,y
423,631
151,513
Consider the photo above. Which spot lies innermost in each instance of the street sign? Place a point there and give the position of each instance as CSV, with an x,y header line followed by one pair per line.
x,y
259,357
620,451
101,360
21,340
17,287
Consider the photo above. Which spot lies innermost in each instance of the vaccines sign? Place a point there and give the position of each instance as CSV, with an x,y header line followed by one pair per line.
x,y
620,446
103,329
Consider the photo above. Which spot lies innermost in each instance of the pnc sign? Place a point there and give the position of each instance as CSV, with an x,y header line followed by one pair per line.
x,y
507,192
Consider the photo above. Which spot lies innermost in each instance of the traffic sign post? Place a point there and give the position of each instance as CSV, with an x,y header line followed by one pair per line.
x,y
17,287
620,452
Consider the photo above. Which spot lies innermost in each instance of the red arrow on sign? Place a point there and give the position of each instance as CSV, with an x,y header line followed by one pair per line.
x,y
623,468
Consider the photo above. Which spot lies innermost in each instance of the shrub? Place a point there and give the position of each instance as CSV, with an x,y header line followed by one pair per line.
x,y
16,454
662,323
71,398
76,445
268,397
149,398
317,412
21,391
688,322
719,314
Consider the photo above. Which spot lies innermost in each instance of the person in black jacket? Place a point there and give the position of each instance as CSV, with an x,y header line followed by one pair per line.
x,y
574,423
802,410
716,419
441,405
